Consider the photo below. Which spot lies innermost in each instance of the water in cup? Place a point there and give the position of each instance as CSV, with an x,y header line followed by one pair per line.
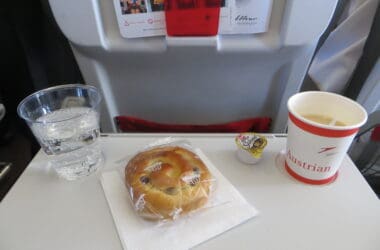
x,y
73,140
65,121
76,127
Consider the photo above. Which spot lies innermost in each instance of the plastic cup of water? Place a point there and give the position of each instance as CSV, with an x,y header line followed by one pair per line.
x,y
65,121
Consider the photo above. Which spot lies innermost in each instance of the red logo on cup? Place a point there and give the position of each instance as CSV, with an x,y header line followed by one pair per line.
x,y
325,149
150,20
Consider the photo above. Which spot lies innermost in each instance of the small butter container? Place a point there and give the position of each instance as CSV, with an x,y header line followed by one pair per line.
x,y
250,147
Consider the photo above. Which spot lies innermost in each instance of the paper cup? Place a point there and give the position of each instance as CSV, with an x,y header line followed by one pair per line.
x,y
321,127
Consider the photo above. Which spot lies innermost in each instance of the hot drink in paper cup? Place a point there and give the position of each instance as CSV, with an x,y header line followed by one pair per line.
x,y
321,127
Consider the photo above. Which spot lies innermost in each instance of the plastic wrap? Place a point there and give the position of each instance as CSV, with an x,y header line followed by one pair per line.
x,y
168,179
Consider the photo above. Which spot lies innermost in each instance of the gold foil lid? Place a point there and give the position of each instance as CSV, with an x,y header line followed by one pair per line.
x,y
252,143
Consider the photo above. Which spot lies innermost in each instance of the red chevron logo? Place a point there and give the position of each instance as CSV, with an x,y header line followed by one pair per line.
x,y
326,149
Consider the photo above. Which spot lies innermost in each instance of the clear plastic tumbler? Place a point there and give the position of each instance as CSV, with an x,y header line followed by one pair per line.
x,y
65,121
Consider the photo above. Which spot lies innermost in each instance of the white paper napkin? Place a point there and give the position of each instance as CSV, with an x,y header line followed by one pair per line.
x,y
135,233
